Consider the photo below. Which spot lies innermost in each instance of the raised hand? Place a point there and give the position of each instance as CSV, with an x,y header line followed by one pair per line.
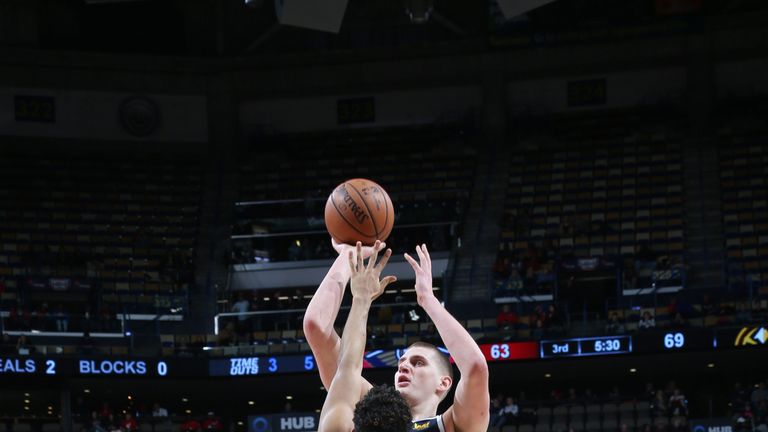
x,y
344,249
365,283
423,270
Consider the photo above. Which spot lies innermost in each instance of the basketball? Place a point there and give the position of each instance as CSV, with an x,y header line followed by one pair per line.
x,y
359,210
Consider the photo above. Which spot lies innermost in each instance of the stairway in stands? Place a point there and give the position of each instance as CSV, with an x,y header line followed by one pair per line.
x,y
480,231
703,218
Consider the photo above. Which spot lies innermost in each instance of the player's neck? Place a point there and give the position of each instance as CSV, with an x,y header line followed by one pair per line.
x,y
425,409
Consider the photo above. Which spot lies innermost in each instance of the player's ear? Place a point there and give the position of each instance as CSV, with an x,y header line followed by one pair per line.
x,y
445,383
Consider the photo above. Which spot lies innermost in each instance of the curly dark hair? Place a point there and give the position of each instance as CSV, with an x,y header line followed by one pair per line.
x,y
383,409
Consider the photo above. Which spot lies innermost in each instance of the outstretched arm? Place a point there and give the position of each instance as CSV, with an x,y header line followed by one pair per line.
x,y
343,394
323,309
469,412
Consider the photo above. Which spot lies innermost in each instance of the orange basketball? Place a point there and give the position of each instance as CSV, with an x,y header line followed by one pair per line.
x,y
359,210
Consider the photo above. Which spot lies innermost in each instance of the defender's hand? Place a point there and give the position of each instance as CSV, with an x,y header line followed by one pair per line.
x,y
365,283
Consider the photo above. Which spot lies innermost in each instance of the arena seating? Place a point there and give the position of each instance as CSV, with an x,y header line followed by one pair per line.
x,y
79,229
597,192
743,157
427,170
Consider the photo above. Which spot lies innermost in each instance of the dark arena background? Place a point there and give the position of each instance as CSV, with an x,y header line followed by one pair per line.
x,y
591,177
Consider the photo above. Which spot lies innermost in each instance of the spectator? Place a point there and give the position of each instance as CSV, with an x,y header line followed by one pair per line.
x,y
572,396
227,335
614,394
506,319
95,425
646,322
40,317
629,277
739,395
23,347
129,423
650,392
190,424
61,318
553,319
761,415
538,314
212,423
495,410
241,306
678,405
743,418
556,394
758,394
615,326
158,411
708,306
589,396
105,413
679,322
538,328
659,405
508,415
111,425
501,268
514,282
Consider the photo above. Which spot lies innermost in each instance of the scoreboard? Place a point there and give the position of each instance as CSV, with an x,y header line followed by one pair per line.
x,y
54,366
680,340
650,342
605,345
255,365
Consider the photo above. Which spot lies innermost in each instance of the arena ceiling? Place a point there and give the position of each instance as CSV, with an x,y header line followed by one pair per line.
x,y
250,27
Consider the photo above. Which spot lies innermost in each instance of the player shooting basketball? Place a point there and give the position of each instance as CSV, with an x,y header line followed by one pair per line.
x,y
382,409
423,376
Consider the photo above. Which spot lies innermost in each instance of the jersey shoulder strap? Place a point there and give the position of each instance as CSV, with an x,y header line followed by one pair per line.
x,y
432,424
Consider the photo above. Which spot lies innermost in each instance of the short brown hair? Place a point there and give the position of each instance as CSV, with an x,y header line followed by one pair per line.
x,y
442,359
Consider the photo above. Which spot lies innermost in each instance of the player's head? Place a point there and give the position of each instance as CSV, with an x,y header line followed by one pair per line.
x,y
382,409
423,372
